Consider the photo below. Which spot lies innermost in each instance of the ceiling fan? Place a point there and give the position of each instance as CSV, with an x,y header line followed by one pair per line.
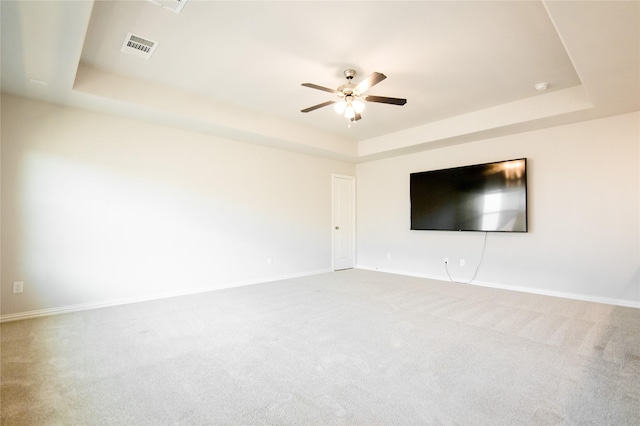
x,y
350,96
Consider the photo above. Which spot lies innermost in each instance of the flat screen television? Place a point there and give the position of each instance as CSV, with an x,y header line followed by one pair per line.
x,y
489,197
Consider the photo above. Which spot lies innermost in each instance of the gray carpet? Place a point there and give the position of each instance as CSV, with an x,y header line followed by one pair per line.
x,y
353,347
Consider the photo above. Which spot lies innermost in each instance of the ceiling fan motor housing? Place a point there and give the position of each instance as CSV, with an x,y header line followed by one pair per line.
x,y
346,90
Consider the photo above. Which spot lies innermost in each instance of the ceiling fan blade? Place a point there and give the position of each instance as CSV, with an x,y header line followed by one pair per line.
x,y
369,82
315,86
385,100
356,117
312,108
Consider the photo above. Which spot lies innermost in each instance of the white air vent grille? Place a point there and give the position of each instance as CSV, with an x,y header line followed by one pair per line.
x,y
173,5
138,46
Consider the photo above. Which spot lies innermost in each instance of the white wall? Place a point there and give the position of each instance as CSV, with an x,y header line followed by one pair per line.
x,y
584,235
97,208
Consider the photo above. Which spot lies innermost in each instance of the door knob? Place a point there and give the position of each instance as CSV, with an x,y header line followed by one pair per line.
x,y
337,227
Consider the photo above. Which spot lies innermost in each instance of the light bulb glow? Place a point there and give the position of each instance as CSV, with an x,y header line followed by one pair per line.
x,y
349,112
340,106
358,106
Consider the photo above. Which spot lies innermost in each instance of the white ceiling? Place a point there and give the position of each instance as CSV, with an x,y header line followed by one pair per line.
x,y
234,69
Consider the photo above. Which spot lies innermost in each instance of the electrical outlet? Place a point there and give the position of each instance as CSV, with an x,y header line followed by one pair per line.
x,y
18,287
462,263
269,261
389,256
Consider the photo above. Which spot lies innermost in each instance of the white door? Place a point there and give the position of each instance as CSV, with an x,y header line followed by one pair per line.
x,y
343,223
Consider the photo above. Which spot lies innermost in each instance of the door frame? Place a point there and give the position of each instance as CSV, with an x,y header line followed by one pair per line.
x,y
352,214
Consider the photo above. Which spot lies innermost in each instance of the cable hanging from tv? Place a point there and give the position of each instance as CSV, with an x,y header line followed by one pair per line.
x,y
446,266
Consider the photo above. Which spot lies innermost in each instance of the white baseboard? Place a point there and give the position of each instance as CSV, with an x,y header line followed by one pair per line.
x,y
146,298
115,302
566,295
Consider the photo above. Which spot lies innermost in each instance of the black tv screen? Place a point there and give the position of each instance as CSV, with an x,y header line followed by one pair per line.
x,y
483,197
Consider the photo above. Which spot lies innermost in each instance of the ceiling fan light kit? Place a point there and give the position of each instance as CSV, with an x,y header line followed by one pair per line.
x,y
350,96
349,107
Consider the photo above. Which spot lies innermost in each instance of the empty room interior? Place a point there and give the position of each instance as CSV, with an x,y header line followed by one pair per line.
x,y
320,212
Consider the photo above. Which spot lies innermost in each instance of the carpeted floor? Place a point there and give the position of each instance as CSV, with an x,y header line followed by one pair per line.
x,y
353,347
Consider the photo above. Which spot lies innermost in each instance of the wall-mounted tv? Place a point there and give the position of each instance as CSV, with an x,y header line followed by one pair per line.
x,y
489,197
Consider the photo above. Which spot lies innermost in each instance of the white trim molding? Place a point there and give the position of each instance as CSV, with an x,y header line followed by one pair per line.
x,y
105,304
531,290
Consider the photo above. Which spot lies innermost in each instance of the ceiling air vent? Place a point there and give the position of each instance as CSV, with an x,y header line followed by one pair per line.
x,y
173,5
138,46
